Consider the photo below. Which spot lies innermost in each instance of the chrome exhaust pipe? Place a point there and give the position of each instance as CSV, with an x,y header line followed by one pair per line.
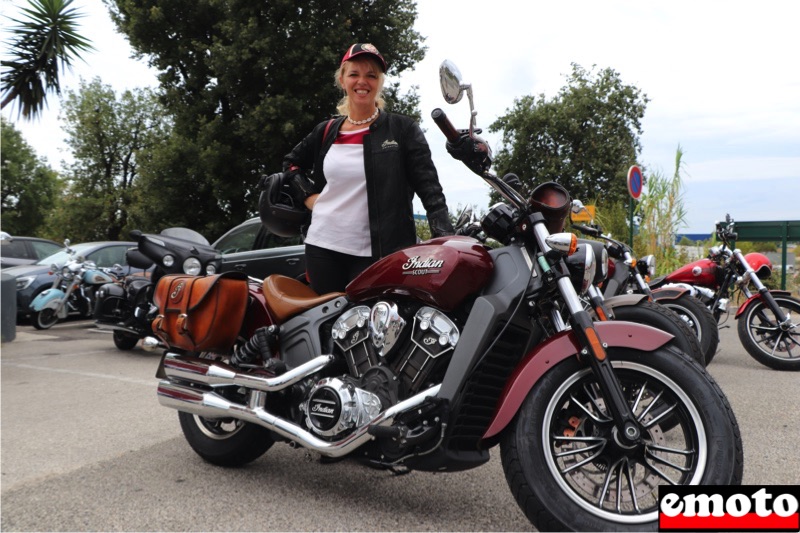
x,y
214,373
211,405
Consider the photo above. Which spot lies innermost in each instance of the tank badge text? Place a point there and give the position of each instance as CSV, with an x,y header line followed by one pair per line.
x,y
416,267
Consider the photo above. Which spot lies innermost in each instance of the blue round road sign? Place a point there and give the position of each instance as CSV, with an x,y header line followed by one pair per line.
x,y
635,182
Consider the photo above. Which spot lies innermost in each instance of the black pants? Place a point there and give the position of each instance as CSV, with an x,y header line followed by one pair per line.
x,y
330,271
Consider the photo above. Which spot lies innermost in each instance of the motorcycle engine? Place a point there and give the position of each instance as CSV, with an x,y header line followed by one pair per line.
x,y
391,353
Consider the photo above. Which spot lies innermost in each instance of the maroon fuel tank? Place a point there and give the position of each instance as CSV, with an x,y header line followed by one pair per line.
x,y
702,272
441,272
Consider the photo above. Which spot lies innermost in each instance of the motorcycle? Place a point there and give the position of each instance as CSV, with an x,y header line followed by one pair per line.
x,y
441,351
627,279
125,306
72,291
769,320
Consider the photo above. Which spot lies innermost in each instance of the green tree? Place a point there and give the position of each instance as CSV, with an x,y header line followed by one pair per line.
x,y
29,187
245,81
585,138
44,43
109,137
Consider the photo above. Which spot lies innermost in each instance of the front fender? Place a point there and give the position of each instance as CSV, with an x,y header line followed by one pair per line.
x,y
669,293
559,347
47,298
624,300
749,301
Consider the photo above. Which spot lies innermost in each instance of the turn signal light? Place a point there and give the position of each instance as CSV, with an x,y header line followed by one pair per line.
x,y
563,242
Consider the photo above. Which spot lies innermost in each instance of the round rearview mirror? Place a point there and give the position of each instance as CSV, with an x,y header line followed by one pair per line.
x,y
450,80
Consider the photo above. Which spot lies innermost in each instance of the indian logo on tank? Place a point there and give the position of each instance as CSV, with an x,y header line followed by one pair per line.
x,y
419,267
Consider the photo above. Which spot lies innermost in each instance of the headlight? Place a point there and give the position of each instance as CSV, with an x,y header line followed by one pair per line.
x,y
582,266
211,270
192,266
168,260
646,266
24,282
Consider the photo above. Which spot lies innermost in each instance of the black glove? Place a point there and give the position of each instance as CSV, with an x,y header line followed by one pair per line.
x,y
474,153
298,186
439,222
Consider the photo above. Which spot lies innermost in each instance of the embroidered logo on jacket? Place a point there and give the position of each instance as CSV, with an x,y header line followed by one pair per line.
x,y
389,145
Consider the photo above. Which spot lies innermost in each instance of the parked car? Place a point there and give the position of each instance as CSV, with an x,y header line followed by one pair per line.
x,y
33,279
15,251
253,249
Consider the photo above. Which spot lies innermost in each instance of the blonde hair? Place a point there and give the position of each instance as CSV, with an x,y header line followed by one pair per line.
x,y
343,107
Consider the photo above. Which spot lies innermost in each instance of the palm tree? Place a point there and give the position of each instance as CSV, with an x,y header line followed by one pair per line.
x,y
42,44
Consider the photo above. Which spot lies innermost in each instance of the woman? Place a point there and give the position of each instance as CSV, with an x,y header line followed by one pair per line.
x,y
365,167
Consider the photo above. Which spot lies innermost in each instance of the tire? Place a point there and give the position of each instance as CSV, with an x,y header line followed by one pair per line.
x,y
700,319
655,315
562,462
225,441
765,341
44,319
125,341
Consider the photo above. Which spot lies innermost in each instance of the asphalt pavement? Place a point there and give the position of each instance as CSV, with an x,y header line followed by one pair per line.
x,y
86,447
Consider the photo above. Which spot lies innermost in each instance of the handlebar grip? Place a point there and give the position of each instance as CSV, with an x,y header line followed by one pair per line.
x,y
445,125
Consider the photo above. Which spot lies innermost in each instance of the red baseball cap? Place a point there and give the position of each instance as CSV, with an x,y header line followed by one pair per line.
x,y
364,48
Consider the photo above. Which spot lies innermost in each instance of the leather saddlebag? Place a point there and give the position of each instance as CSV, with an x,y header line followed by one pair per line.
x,y
200,314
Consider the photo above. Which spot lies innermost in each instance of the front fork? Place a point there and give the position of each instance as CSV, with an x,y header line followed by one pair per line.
x,y
593,353
763,291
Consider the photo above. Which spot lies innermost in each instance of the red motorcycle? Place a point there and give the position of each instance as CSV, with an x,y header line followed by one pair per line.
x,y
441,351
769,320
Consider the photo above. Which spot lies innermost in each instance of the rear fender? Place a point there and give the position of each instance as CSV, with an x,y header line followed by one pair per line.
x,y
559,347
50,298
749,301
669,293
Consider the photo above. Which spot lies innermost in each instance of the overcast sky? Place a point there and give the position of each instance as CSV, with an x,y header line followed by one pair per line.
x,y
722,79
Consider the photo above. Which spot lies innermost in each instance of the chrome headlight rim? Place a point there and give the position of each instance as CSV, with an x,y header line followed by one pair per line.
x,y
211,269
168,260
192,266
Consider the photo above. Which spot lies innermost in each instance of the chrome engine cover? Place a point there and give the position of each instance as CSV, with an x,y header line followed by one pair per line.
x,y
385,325
334,407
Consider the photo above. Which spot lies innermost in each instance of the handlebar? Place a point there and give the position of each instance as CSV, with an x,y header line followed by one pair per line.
x,y
440,119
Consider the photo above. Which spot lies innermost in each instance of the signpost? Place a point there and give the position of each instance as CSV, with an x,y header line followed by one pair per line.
x,y
635,184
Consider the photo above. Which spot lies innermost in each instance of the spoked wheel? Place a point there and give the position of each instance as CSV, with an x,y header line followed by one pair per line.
x,y
699,319
44,319
774,345
568,467
225,441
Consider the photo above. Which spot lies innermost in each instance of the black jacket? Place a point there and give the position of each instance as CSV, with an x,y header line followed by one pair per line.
x,y
398,164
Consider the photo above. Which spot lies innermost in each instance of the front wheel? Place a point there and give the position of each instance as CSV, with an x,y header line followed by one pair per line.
x,y
44,319
699,319
769,343
125,341
225,441
568,468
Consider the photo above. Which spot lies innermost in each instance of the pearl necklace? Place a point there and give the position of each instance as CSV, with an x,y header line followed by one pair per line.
x,y
360,122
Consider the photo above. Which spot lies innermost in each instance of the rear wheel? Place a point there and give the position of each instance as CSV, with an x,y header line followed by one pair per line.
x,y
567,467
767,341
699,318
44,319
225,441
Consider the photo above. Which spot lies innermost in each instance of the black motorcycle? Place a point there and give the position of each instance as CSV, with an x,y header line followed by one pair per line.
x,y
126,306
